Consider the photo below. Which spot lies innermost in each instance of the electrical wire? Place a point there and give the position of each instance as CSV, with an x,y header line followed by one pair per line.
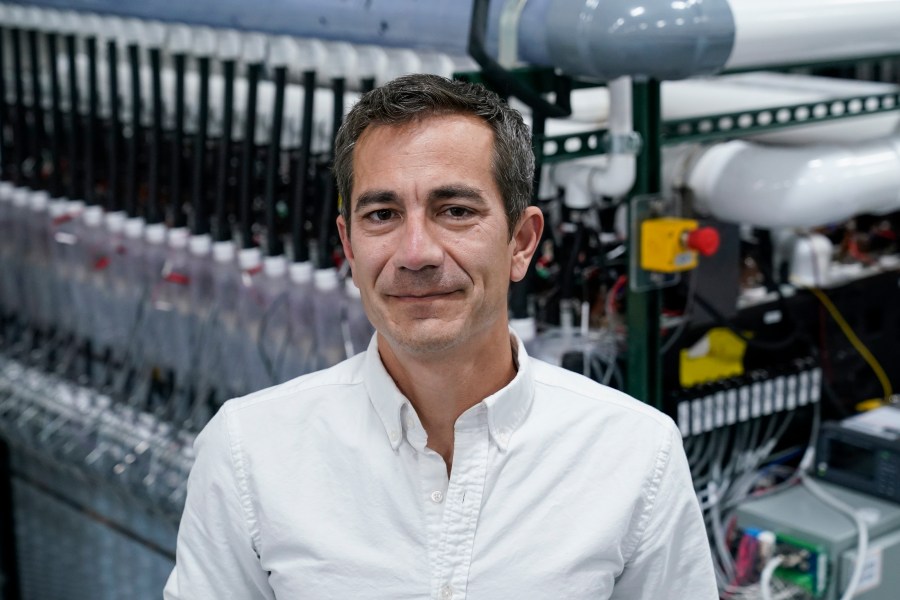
x,y
862,532
855,341
685,315
765,579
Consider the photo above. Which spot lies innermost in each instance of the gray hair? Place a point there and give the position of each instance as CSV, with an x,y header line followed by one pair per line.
x,y
413,97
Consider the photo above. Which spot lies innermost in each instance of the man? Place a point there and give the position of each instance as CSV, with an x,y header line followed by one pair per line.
x,y
443,462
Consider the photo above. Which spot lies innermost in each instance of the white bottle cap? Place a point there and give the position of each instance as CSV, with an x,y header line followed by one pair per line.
x,y
134,227
254,47
93,215
74,207
38,200
525,328
223,252
6,190
229,44
115,221
249,258
20,197
275,266
179,39
301,272
178,237
351,289
57,208
156,233
325,279
200,245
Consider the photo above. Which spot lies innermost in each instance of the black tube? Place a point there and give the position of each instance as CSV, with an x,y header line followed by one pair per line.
x,y
131,165
329,212
198,200
37,104
222,231
56,186
4,113
19,125
179,218
114,199
299,239
154,200
90,175
247,156
367,84
274,246
74,125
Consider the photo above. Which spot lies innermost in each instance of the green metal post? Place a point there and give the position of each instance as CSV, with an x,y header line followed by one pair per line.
x,y
644,375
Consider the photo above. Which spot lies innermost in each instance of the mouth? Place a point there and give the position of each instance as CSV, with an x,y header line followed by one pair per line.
x,y
422,296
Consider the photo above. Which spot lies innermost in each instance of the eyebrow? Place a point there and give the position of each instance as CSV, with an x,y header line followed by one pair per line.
x,y
370,197
444,192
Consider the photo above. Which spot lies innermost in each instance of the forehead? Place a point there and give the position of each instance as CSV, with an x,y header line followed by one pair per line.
x,y
424,150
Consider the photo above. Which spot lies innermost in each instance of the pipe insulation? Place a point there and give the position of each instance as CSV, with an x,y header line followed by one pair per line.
x,y
807,186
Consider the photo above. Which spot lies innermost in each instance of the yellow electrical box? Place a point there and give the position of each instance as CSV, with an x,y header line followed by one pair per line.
x,y
663,245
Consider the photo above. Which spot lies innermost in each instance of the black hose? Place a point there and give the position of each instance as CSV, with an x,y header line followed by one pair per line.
x,y
198,200
114,199
299,240
90,142
131,165
274,246
222,231
154,167
247,157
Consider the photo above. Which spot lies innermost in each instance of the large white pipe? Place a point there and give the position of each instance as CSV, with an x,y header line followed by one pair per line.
x,y
610,175
778,32
773,187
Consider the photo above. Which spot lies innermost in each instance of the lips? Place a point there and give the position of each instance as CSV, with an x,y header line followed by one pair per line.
x,y
418,295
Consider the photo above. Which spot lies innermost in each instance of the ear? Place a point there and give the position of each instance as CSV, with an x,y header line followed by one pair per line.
x,y
526,238
345,243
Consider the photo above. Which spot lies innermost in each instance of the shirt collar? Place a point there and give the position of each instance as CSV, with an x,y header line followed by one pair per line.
x,y
506,408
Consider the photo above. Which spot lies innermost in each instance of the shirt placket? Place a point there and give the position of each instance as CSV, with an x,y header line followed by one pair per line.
x,y
462,506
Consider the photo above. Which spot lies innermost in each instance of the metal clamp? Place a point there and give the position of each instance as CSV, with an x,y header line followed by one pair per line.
x,y
624,143
508,36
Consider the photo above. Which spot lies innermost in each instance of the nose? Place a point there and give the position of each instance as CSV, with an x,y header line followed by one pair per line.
x,y
418,246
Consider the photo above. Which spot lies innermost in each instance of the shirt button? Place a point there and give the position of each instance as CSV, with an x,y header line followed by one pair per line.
x,y
394,436
437,497
446,592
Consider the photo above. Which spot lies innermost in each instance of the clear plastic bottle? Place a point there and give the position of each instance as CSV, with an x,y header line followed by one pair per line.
x,y
328,306
359,329
299,356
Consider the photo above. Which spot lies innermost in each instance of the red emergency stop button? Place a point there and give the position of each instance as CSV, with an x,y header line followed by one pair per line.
x,y
704,240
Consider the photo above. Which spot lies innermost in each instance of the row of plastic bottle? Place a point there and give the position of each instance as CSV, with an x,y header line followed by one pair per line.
x,y
223,321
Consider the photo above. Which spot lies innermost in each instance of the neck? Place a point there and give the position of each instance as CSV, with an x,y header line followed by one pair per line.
x,y
444,386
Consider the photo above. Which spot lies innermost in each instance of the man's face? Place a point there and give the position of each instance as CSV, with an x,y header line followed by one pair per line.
x,y
430,247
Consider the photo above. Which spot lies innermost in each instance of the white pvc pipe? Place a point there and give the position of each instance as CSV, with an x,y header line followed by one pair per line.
x,y
771,187
611,175
776,32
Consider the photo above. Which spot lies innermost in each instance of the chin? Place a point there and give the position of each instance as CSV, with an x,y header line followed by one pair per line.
x,y
423,338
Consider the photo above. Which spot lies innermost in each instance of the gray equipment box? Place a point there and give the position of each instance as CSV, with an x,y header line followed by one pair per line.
x,y
796,512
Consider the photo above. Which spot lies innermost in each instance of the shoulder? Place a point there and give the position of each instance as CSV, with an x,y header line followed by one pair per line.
x,y
330,395
303,393
571,392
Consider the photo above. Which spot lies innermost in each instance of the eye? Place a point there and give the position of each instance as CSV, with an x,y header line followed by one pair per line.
x,y
458,212
381,215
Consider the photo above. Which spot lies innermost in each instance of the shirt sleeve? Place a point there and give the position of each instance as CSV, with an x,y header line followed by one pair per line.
x,y
215,555
672,558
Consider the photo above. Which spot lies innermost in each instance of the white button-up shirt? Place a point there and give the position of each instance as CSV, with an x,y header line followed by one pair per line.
x,y
323,487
